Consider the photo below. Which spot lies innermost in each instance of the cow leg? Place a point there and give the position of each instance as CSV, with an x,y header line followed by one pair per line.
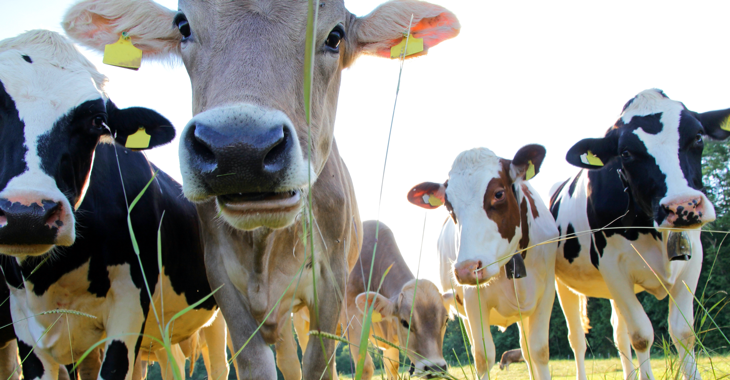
x,y
166,364
352,334
632,312
482,343
329,285
391,363
229,343
681,314
623,343
536,328
36,364
9,363
286,353
120,351
570,303
214,352
300,320
90,367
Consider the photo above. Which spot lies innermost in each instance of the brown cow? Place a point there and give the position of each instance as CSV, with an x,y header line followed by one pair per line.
x,y
509,357
245,156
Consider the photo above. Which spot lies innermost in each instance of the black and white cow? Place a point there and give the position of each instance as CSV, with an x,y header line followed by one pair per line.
x,y
643,179
66,227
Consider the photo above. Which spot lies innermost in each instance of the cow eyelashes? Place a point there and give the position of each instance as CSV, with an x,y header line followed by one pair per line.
x,y
333,40
181,22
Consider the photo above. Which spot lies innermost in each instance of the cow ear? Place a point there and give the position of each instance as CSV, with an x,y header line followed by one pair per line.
x,y
384,27
138,128
716,123
592,153
97,23
382,305
527,161
429,195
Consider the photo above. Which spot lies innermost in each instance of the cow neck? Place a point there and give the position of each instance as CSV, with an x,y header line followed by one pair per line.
x,y
387,254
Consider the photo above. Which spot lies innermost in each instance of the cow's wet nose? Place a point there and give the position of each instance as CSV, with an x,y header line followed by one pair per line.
x,y
247,158
434,370
684,212
470,272
30,222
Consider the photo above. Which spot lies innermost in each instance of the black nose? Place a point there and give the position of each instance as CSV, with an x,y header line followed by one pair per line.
x,y
240,158
34,224
432,371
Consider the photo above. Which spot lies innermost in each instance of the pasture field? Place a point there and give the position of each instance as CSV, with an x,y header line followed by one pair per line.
x,y
598,369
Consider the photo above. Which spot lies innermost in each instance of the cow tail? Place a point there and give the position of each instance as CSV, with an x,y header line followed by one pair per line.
x,y
584,313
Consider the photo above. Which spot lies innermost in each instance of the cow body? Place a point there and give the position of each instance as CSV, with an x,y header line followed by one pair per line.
x,y
246,156
509,357
499,218
424,315
656,147
77,275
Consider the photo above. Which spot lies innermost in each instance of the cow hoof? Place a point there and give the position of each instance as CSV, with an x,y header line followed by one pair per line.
x,y
515,267
679,247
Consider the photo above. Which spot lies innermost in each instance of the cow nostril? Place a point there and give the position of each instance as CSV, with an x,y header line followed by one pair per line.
x,y
198,145
275,158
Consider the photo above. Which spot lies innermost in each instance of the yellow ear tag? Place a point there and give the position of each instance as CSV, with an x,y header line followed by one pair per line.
x,y
123,53
415,45
376,317
589,158
725,124
138,140
530,171
435,202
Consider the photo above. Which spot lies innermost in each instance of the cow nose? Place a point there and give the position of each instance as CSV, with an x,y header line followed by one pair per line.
x,y
469,272
240,159
35,223
684,212
434,370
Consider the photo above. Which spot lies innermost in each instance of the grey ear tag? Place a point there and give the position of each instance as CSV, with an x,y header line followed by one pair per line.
x,y
515,267
679,247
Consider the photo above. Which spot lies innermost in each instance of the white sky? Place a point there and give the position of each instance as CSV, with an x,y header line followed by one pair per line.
x,y
520,72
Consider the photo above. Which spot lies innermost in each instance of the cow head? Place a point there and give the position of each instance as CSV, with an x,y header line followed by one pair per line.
x,y
485,198
421,322
658,144
247,145
53,112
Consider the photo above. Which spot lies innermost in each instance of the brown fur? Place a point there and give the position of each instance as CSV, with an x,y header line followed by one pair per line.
x,y
506,211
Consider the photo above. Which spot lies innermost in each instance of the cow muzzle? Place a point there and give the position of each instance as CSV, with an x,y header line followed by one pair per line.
x,y
32,224
687,212
471,272
430,369
250,160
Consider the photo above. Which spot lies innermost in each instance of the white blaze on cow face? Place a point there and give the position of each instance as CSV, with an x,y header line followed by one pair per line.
x,y
44,79
488,200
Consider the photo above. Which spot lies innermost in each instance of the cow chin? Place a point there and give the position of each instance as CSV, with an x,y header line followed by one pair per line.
x,y
274,210
25,250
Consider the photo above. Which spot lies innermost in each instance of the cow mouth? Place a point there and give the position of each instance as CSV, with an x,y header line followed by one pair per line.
x,y
25,249
260,202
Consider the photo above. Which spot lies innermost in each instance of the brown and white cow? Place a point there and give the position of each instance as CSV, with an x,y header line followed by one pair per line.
x,y
419,322
245,156
509,357
494,214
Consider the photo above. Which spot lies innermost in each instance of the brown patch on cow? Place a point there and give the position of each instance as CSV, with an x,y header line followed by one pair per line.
x,y
531,199
525,240
640,343
505,212
459,300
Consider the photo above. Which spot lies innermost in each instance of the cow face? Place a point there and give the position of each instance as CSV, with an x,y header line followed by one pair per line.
x,y
248,146
658,144
53,112
421,322
485,198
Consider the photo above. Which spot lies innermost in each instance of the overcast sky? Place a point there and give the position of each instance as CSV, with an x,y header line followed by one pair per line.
x,y
520,72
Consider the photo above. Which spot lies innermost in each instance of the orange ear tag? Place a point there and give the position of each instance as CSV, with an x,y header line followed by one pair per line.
x,y
530,171
376,317
589,158
138,140
123,53
415,45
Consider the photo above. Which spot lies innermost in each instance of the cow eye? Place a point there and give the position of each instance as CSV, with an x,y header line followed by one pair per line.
x,y
499,195
334,39
181,22
626,155
698,139
98,121
404,323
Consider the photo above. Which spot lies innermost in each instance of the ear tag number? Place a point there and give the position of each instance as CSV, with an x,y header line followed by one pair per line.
x,y
725,124
530,171
138,140
415,45
376,317
589,158
123,53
